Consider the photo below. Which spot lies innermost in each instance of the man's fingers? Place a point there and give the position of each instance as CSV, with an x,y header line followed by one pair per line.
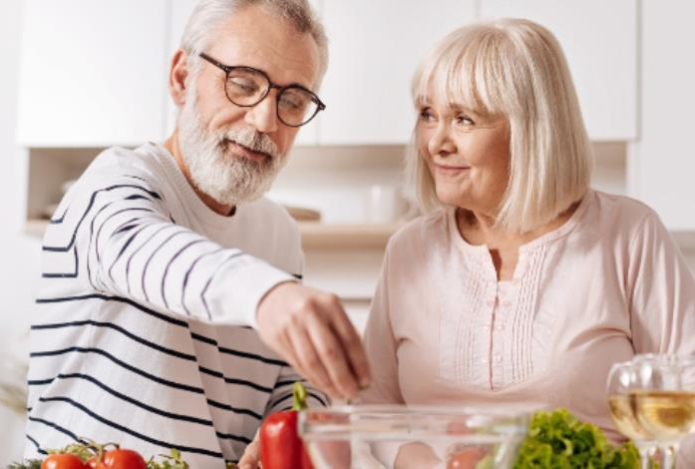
x,y
309,363
352,344
285,348
332,356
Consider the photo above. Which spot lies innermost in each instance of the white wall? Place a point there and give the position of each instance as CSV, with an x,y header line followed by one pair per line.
x,y
19,254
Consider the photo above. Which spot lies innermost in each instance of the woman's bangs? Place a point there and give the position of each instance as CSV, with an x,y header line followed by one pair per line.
x,y
459,77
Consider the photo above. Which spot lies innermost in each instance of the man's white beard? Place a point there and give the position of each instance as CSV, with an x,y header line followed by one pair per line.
x,y
215,169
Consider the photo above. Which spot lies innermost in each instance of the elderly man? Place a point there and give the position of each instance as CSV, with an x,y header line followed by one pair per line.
x,y
168,279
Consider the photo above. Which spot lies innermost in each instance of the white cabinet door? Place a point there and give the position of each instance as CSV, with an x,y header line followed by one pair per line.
x,y
92,72
662,163
375,47
600,41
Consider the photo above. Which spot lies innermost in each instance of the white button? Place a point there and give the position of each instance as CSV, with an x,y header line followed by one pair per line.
x,y
498,358
486,327
499,327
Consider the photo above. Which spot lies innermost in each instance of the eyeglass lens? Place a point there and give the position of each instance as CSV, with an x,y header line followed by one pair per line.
x,y
247,87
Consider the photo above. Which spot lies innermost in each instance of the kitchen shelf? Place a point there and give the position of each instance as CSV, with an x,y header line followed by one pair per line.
x,y
315,235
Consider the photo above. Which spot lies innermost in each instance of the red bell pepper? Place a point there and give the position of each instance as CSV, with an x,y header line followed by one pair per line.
x,y
281,446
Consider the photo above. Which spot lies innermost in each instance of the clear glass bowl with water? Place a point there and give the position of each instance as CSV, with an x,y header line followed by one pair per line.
x,y
366,436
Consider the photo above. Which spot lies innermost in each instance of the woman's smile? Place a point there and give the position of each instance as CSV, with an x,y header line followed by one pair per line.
x,y
450,169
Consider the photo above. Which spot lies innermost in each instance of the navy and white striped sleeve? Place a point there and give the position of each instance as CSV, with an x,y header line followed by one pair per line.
x,y
120,234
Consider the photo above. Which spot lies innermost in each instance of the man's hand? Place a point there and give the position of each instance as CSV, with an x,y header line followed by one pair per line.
x,y
311,331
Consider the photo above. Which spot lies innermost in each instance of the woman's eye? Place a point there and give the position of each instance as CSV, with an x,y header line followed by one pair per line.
x,y
464,120
426,115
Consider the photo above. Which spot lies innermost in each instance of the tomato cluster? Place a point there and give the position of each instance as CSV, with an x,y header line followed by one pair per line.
x,y
116,458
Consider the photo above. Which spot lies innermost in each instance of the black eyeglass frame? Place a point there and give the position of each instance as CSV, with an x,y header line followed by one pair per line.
x,y
227,69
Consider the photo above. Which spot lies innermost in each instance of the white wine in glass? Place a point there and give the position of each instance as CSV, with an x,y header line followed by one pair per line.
x,y
662,398
667,415
624,417
622,379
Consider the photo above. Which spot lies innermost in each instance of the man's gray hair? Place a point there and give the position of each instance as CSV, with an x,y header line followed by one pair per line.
x,y
209,15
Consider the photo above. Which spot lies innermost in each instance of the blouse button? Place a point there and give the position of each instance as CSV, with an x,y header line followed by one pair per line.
x,y
498,358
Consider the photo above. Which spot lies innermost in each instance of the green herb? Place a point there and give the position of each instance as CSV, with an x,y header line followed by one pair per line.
x,y
558,440
171,461
28,464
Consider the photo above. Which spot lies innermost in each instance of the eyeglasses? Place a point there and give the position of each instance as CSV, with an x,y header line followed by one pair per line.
x,y
247,86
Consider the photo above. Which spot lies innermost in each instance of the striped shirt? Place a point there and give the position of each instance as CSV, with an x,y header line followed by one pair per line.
x,y
144,333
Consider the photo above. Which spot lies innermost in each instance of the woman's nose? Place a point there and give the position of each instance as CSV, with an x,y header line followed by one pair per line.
x,y
263,116
440,142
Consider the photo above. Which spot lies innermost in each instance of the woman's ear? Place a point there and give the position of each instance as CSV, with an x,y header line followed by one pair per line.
x,y
177,77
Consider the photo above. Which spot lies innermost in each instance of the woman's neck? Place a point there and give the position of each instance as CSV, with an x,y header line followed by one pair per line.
x,y
481,229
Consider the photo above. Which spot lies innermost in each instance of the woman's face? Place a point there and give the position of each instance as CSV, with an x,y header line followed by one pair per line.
x,y
467,154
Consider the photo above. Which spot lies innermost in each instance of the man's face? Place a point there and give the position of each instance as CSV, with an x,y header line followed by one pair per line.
x,y
234,153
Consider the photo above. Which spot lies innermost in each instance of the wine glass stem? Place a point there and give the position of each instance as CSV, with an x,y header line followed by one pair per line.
x,y
669,452
646,454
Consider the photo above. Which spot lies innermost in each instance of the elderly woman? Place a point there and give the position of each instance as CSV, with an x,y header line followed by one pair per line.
x,y
520,283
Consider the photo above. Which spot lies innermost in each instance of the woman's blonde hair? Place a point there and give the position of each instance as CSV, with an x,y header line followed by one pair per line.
x,y
516,68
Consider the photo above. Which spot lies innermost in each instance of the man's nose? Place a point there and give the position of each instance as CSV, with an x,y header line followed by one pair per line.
x,y
263,116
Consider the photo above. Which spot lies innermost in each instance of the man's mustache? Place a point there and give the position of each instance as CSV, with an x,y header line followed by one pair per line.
x,y
252,140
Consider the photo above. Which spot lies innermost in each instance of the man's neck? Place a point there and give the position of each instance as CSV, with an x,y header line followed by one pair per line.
x,y
172,144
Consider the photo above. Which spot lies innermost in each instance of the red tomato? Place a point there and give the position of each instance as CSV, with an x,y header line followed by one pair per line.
x,y
118,459
62,461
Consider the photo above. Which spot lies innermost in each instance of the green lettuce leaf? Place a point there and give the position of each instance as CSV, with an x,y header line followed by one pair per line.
x,y
558,440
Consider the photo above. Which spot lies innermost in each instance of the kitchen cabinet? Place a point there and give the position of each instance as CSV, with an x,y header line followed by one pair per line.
x,y
661,165
92,72
599,39
375,48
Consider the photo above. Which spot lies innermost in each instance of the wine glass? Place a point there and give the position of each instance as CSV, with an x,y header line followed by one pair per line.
x,y
665,400
622,380
654,401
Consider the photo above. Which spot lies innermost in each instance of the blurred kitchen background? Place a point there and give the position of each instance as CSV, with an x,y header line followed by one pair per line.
x,y
81,75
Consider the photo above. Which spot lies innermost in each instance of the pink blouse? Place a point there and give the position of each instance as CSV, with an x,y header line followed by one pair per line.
x,y
606,285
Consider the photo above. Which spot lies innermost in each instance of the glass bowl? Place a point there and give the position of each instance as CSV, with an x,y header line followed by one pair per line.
x,y
368,436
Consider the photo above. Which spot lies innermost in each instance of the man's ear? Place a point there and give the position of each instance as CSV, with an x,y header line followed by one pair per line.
x,y
177,77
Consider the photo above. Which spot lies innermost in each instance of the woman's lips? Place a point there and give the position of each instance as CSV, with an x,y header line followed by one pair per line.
x,y
450,169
